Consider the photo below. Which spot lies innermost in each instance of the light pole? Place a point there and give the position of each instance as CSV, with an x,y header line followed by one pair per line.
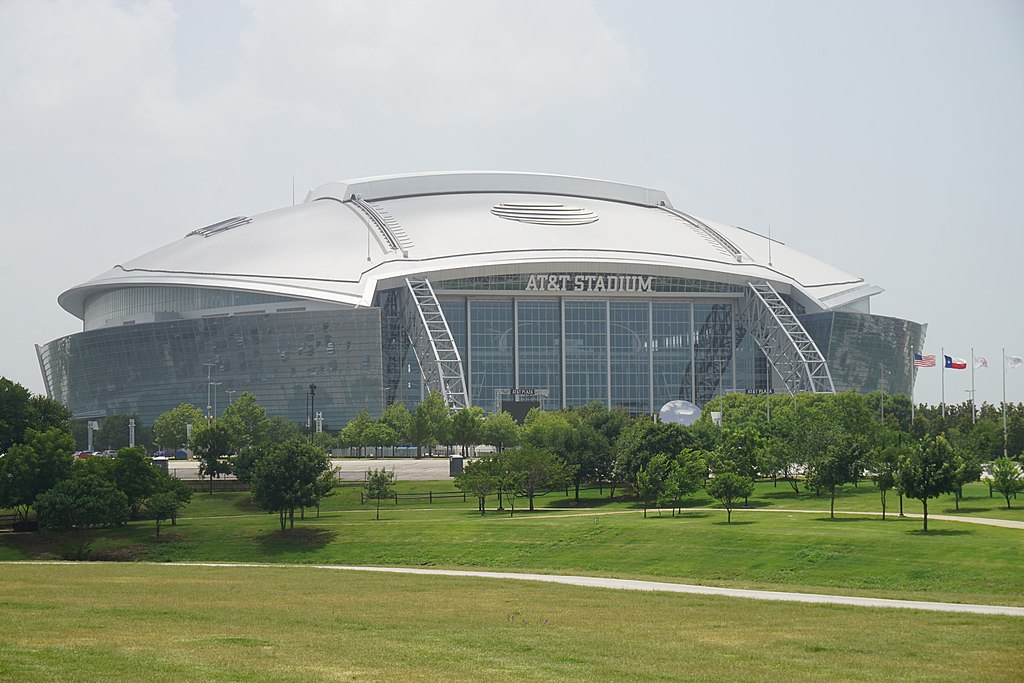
x,y
209,369
215,385
231,395
312,399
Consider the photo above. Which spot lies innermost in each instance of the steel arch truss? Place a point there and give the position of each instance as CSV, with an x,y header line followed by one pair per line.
x,y
432,342
784,341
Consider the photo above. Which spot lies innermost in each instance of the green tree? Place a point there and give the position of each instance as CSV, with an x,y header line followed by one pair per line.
x,y
966,469
884,464
170,430
354,434
398,418
730,488
162,506
14,413
380,435
838,464
927,471
1006,478
135,475
280,429
45,413
480,478
289,476
81,502
32,468
378,485
641,440
175,487
247,422
535,471
685,477
500,430
212,444
467,428
651,479
430,423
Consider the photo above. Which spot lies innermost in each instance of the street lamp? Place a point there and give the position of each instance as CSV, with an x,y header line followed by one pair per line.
x,y
231,395
215,385
209,369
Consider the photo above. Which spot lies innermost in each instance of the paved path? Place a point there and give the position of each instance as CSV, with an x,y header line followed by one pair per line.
x,y
405,469
621,584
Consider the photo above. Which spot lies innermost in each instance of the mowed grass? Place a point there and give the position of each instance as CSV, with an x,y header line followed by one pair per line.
x,y
856,555
130,622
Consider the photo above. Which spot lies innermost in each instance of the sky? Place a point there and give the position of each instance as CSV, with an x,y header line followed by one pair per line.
x,y
885,138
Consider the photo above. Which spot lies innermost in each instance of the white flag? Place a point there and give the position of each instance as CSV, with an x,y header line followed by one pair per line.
x,y
980,362
1014,362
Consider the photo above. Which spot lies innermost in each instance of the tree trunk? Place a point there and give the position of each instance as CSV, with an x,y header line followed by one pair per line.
x,y
530,496
291,518
728,515
883,505
211,484
378,507
832,506
282,517
158,528
924,502
577,490
645,509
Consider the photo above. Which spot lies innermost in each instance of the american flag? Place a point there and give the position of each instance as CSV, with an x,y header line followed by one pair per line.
x,y
924,361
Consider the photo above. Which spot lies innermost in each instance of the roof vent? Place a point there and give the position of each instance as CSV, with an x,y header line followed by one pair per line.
x,y
544,214
221,227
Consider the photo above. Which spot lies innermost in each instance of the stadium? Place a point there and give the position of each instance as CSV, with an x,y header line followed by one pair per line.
x,y
492,288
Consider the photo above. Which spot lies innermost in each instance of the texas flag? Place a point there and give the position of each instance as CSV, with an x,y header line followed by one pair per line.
x,y
955,363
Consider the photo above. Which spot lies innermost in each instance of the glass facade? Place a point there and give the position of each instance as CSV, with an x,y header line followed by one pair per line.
x,y
867,352
149,368
633,352
139,301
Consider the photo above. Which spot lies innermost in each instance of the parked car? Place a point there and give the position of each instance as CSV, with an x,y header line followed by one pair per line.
x,y
83,454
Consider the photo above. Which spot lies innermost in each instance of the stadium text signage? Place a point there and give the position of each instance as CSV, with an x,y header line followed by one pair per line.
x,y
567,282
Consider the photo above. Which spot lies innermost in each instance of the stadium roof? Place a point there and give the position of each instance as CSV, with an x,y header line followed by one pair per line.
x,y
347,237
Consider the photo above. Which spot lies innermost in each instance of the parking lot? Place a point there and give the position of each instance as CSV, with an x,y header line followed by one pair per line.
x,y
405,469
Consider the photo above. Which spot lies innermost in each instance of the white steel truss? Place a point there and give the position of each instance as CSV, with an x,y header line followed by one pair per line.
x,y
433,344
784,341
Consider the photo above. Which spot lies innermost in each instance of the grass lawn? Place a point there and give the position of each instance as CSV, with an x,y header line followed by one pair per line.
x,y
130,622
783,551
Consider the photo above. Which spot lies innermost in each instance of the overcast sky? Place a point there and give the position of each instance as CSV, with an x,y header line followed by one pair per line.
x,y
886,138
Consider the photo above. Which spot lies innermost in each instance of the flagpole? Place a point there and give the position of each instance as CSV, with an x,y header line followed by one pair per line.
x,y
913,378
1005,453
942,351
973,417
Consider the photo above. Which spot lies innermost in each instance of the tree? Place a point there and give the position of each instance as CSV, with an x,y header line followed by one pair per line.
x,y
31,468
162,506
641,440
650,480
14,413
378,485
480,478
135,475
685,477
379,435
173,486
927,471
46,413
212,443
280,429
289,476
429,423
884,463
729,488
398,418
354,433
500,430
79,503
246,420
839,463
170,430
966,469
467,428
1006,478
535,471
